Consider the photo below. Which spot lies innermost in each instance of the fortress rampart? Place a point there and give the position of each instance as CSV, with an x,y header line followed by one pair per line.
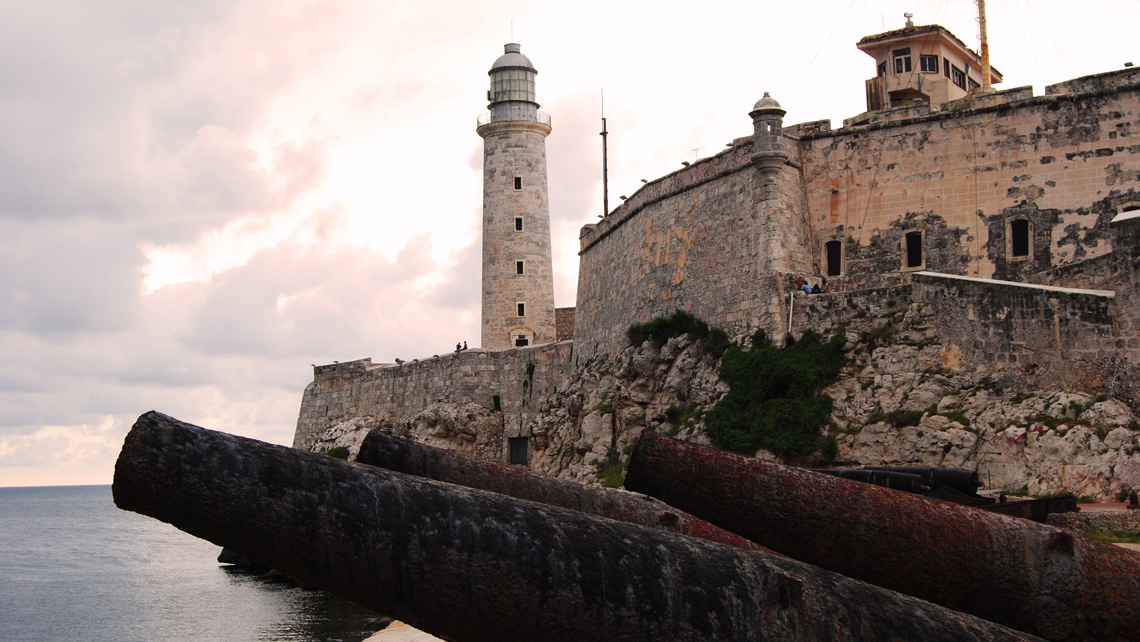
x,y
1012,221
512,381
707,240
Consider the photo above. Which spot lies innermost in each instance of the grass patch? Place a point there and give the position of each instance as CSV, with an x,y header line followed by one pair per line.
x,y
606,408
1116,537
1047,420
339,452
901,418
958,417
611,470
714,341
773,401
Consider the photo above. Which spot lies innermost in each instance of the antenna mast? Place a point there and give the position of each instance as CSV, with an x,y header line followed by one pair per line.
x,y
605,168
985,45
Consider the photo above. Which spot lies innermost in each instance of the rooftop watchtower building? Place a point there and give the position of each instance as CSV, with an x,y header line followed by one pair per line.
x,y
518,278
925,64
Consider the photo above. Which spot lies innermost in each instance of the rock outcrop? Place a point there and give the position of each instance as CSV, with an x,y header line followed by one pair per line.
x,y
905,397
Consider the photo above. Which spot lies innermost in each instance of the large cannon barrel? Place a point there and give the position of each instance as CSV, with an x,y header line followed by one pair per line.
x,y
469,565
963,481
1034,577
906,482
404,456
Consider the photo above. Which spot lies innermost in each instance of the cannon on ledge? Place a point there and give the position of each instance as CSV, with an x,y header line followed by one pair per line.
x,y
470,565
1037,578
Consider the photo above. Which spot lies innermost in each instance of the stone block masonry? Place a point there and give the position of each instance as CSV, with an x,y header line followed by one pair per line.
x,y
518,278
511,383
1005,186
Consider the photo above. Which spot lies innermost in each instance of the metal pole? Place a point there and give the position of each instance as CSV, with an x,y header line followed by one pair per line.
x,y
605,173
985,45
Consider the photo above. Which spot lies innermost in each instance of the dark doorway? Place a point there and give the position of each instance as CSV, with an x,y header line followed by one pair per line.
x,y
914,249
834,253
521,341
1019,237
518,446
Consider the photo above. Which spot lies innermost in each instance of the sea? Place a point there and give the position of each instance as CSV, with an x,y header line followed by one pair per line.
x,y
73,567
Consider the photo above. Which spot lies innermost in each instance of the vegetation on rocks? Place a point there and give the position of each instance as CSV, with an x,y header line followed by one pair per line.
x,y
774,402
339,452
713,340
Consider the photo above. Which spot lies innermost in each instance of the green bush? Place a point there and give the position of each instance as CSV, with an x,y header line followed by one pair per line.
x,y
340,452
713,340
611,470
829,447
773,401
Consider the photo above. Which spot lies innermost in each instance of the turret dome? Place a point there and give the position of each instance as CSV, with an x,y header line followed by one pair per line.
x,y
767,102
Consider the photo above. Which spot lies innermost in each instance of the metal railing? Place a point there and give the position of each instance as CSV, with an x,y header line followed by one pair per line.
x,y
485,118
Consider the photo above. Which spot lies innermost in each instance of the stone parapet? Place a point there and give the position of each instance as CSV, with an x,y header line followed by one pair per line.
x,y
1100,521
515,382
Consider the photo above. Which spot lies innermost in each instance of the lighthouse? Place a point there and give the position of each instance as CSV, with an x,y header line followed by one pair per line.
x,y
518,279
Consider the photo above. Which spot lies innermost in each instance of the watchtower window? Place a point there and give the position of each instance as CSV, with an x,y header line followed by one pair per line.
x,y
833,254
521,341
518,182
913,247
518,223
522,309
958,76
1019,238
902,60
928,64
518,448
519,269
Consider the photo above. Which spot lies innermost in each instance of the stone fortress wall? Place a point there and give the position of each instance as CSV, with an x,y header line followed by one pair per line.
x,y
723,242
704,240
511,381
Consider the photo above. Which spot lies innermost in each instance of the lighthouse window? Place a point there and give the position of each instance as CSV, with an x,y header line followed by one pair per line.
x,y
518,182
522,309
519,269
518,223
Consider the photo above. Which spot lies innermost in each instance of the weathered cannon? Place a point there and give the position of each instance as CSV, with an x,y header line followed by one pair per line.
x,y
906,482
1026,575
404,456
469,565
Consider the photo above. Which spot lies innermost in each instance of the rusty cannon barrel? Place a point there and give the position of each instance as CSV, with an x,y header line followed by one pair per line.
x,y
401,455
1030,576
470,565
906,482
961,480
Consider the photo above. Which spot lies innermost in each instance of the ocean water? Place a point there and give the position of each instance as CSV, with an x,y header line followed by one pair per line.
x,y
74,567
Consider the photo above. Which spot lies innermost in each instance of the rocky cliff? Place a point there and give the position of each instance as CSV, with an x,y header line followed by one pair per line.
x,y
903,397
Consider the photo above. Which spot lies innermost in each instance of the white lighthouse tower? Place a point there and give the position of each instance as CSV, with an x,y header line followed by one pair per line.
x,y
518,280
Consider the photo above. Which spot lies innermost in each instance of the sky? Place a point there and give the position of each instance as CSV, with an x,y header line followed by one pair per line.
x,y
199,199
